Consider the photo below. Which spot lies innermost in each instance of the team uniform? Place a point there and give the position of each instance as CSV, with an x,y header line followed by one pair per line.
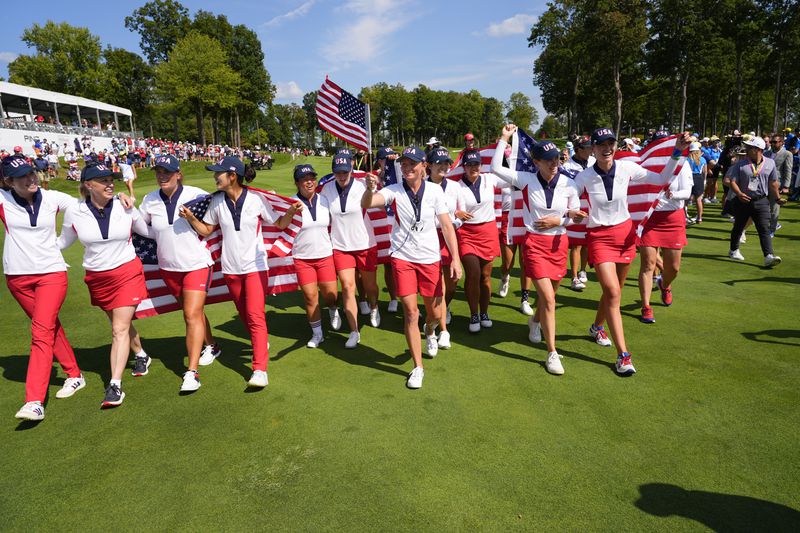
x,y
184,259
666,228
312,250
36,275
244,261
451,193
114,274
478,235
352,237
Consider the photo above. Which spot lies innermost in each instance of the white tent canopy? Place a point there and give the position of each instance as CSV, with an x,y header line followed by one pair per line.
x,y
33,93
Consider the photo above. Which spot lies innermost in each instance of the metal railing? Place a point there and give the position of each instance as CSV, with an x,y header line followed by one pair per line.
x,y
66,130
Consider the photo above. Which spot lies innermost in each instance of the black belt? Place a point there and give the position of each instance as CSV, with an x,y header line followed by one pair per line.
x,y
754,196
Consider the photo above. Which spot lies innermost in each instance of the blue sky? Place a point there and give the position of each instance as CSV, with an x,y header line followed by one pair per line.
x,y
446,45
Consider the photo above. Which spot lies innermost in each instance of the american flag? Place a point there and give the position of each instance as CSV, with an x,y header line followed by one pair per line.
x,y
342,114
282,276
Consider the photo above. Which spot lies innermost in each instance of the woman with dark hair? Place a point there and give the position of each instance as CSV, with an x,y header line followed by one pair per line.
x,y
240,214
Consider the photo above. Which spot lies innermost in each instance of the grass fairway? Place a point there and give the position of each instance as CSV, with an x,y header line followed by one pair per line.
x,y
704,436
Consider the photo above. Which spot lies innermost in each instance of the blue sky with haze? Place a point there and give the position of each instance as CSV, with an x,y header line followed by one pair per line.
x,y
446,45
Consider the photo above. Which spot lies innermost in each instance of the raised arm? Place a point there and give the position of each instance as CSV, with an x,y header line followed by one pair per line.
x,y
506,174
371,197
286,219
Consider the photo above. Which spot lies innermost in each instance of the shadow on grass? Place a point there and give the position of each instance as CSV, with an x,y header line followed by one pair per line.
x,y
724,259
768,279
778,333
717,511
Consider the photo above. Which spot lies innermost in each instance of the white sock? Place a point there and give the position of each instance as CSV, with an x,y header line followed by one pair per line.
x,y
141,354
117,382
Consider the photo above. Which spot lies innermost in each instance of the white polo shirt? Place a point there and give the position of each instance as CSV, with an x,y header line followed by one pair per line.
x,y
30,243
610,212
451,193
127,172
179,248
415,246
243,249
483,189
573,167
681,188
313,241
106,236
351,230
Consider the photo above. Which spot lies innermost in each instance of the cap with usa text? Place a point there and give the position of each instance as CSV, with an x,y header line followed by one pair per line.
x,y
415,154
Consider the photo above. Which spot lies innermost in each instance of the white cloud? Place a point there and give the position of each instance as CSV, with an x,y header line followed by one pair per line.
x,y
364,38
7,57
299,11
520,23
288,91
522,71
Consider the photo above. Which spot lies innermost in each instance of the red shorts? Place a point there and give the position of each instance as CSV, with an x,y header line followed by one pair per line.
x,y
665,229
504,227
119,287
412,277
315,271
447,259
612,244
366,260
479,239
545,256
195,280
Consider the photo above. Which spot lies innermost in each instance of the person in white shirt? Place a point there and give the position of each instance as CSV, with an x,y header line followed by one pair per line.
x,y
551,201
353,240
36,275
611,233
114,274
578,251
52,164
128,174
240,213
385,159
184,261
478,242
665,229
417,204
312,253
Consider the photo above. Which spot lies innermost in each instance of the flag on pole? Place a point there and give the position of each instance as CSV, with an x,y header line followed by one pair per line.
x,y
282,276
342,115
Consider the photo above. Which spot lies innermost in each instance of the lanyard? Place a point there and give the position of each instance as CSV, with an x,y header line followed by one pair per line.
x,y
756,169
311,204
474,187
415,199
343,193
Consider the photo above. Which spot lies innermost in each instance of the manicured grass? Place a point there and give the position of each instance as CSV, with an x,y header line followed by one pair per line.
x,y
491,442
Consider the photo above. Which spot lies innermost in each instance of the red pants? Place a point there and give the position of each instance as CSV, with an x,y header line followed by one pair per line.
x,y
41,297
248,291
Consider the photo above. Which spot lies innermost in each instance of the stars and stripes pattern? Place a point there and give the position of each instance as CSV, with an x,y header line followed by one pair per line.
x,y
342,115
282,275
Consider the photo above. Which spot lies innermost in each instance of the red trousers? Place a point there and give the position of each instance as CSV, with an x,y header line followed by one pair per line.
x,y
249,294
41,297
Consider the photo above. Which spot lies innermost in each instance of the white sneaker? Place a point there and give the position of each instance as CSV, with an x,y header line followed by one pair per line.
x,y
624,366
392,307
769,261
736,254
444,340
486,322
35,411
553,364
448,317
209,354
71,386
577,285
315,341
431,345
525,308
706,201
353,340
474,323
743,238
336,319
534,331
363,308
375,318
582,276
191,381
259,379
415,378
504,283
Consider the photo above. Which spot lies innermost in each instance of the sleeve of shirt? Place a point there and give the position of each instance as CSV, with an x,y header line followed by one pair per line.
x,y
144,211
388,195
211,215
68,234
63,200
499,182
506,174
573,198
440,204
773,175
682,186
267,212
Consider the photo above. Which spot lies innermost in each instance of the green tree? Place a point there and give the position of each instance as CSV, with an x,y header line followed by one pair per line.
x,y
197,73
160,25
129,80
520,111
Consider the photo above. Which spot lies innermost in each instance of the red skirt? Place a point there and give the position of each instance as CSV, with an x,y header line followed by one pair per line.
x,y
665,229
119,287
503,234
545,256
480,240
612,244
447,259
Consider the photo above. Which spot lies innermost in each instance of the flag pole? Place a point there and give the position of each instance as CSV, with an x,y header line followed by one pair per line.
x,y
369,138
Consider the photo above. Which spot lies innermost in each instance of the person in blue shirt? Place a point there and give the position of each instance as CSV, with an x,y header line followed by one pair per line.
x,y
698,165
712,155
41,164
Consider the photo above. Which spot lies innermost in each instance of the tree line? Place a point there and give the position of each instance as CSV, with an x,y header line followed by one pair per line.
x,y
706,65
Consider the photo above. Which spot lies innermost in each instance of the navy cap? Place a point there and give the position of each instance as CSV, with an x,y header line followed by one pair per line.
x,y
602,135
344,151
545,151
228,164
583,142
342,162
94,171
16,166
301,171
384,152
440,155
660,134
414,154
168,162
471,156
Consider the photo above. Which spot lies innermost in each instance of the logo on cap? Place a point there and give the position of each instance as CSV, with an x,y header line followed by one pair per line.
x,y
340,161
102,168
603,131
546,147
